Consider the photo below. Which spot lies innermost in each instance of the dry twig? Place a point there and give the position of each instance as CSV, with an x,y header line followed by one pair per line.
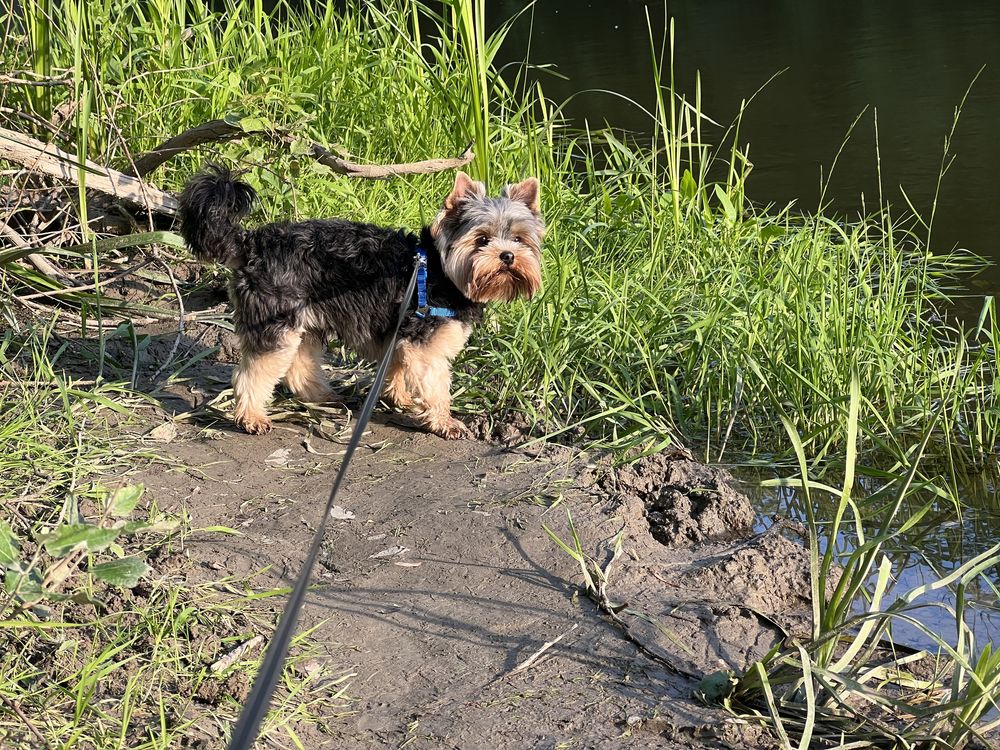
x,y
27,722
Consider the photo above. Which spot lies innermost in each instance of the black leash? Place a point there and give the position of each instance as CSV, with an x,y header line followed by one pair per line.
x,y
245,732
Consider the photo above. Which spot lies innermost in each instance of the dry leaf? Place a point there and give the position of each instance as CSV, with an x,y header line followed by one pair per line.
x,y
278,457
391,552
163,433
341,514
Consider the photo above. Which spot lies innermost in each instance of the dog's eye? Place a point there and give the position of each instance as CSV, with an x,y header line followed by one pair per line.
x,y
517,239
482,240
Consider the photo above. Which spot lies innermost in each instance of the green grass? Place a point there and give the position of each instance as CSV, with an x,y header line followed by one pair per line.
x,y
103,641
674,308
852,682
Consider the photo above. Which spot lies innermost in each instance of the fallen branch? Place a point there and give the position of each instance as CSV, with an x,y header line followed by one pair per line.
x,y
231,128
38,261
47,158
19,78
236,654
382,171
216,131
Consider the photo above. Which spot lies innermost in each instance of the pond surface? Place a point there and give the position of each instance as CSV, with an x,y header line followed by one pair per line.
x,y
910,60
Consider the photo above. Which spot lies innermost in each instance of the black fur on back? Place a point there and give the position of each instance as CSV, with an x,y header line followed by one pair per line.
x,y
337,279
212,204
329,277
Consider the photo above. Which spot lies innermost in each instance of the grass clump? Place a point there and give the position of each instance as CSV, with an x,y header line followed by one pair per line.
x,y
105,640
852,684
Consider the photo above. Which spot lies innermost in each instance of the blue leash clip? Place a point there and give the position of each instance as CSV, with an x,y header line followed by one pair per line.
x,y
423,310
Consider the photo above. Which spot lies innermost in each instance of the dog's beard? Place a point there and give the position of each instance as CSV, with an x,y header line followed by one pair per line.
x,y
491,280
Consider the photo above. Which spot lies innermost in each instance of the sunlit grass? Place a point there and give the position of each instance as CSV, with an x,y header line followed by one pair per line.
x,y
852,682
90,660
674,308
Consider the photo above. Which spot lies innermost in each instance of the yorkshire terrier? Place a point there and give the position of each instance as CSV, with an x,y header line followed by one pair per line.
x,y
296,286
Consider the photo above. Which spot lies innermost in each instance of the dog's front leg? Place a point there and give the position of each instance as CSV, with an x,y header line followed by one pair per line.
x,y
397,392
427,369
255,377
435,402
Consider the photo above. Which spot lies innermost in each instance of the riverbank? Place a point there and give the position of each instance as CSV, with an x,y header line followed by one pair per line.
x,y
675,313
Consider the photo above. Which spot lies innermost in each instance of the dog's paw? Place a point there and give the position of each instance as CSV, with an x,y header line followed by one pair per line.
x,y
452,429
255,425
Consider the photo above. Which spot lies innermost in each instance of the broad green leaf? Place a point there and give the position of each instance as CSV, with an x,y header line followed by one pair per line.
x,y
255,124
727,204
8,544
689,188
770,232
300,147
26,584
125,499
65,539
124,573
163,525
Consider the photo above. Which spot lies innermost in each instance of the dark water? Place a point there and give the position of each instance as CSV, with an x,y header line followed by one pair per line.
x,y
910,61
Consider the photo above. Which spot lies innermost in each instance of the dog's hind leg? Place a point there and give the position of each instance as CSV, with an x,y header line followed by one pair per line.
x,y
255,378
396,389
305,375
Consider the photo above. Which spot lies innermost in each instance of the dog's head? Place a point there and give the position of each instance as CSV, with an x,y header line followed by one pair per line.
x,y
491,247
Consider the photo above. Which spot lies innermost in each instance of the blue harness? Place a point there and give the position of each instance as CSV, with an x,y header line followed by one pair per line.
x,y
423,310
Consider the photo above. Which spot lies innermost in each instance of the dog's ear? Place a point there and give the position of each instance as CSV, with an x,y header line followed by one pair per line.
x,y
465,188
525,192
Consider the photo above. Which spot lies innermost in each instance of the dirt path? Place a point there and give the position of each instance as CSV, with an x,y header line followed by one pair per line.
x,y
444,582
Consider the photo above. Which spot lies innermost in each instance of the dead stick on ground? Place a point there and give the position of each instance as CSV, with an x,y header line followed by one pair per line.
x,y
47,158
236,654
38,261
27,722
537,655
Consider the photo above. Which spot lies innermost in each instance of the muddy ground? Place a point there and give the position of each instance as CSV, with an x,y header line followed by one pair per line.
x,y
438,581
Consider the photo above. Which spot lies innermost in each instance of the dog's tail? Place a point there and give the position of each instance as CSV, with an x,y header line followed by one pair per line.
x,y
212,204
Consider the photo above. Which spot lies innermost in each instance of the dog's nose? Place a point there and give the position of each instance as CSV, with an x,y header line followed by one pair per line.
x,y
507,257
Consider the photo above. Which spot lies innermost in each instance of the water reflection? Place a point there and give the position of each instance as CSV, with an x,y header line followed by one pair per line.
x,y
923,555
910,59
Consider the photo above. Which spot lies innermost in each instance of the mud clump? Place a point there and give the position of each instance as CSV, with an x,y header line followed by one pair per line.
x,y
215,691
770,574
685,502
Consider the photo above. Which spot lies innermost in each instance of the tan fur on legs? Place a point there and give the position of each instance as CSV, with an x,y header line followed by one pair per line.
x,y
254,381
427,371
305,375
396,390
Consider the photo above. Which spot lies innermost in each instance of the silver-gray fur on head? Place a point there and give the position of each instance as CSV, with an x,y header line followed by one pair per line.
x,y
491,247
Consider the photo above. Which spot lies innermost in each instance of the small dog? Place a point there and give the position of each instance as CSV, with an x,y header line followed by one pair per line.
x,y
295,286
